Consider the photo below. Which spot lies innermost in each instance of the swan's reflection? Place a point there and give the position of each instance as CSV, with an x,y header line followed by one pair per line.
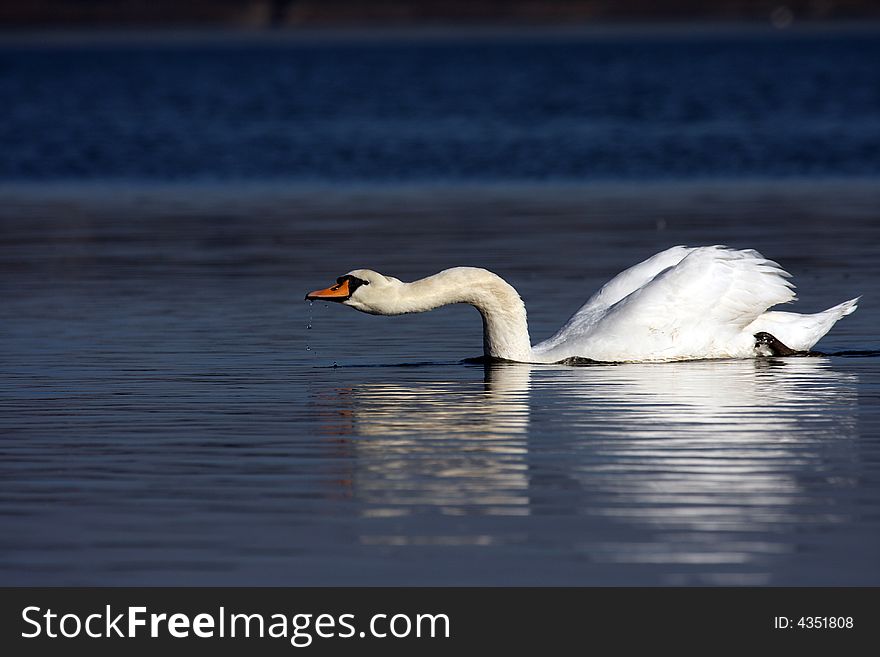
x,y
714,459
459,446
681,463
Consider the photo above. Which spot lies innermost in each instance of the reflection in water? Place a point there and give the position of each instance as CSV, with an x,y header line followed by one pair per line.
x,y
459,446
707,463
716,459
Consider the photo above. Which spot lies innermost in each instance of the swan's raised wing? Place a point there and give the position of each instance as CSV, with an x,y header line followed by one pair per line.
x,y
696,308
622,285
630,280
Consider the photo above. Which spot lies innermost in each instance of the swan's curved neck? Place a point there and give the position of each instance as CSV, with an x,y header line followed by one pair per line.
x,y
505,326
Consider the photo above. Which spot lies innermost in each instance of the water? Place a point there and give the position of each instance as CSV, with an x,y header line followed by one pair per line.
x,y
731,104
173,412
164,422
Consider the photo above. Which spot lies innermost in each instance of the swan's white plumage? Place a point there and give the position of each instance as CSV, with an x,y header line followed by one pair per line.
x,y
622,285
696,308
683,303
798,331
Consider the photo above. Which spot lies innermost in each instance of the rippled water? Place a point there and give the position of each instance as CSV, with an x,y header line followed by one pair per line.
x,y
168,416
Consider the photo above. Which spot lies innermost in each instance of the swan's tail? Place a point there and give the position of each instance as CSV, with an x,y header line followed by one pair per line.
x,y
801,332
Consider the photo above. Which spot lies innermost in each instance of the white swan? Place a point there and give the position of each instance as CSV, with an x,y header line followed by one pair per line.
x,y
681,304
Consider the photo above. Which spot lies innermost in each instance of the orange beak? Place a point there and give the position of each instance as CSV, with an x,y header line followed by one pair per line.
x,y
338,292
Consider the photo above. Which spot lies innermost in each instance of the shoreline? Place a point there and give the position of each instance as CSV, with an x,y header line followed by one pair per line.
x,y
121,36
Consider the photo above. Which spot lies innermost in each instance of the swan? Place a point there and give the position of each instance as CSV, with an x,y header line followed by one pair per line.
x,y
684,303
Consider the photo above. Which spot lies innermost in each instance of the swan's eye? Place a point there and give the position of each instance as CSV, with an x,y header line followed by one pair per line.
x,y
353,282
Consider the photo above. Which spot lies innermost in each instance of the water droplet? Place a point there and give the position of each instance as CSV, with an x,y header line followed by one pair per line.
x,y
308,348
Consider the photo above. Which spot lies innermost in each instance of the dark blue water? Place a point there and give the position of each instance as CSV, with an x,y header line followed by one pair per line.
x,y
172,412
754,104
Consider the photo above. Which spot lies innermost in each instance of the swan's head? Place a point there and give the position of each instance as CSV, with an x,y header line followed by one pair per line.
x,y
364,290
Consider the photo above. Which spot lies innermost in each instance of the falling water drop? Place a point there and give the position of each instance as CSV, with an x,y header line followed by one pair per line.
x,y
309,322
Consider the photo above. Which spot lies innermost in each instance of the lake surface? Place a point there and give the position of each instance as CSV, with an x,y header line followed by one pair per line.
x,y
645,106
173,412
